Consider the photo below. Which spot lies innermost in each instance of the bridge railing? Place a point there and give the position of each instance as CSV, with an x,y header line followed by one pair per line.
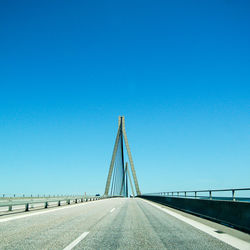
x,y
211,194
27,204
35,196
227,206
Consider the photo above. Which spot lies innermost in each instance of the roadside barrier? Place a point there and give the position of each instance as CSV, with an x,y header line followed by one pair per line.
x,y
228,212
27,205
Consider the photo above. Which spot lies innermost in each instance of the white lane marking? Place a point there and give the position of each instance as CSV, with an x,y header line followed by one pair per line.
x,y
76,241
45,212
112,210
230,240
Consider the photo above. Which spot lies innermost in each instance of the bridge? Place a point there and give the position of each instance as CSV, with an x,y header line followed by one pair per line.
x,y
125,218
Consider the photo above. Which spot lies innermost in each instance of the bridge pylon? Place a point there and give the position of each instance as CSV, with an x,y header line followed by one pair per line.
x,y
118,173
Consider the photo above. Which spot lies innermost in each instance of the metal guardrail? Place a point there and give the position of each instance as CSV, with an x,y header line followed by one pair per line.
x,y
46,202
210,192
15,195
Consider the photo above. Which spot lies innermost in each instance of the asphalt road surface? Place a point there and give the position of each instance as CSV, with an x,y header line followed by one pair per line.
x,y
118,223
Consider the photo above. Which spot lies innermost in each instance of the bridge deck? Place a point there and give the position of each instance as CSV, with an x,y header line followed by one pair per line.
x,y
117,223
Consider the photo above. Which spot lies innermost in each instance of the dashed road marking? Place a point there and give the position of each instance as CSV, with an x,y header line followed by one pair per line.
x,y
76,241
112,210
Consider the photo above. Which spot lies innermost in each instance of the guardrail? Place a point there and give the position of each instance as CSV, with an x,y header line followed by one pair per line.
x,y
210,192
15,195
228,210
26,205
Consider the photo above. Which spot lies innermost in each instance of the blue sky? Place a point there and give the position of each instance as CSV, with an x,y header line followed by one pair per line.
x,y
179,71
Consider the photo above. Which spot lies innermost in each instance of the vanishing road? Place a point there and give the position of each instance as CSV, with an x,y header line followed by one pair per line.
x,y
118,223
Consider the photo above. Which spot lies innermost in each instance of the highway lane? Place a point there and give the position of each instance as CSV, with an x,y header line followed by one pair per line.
x,y
117,223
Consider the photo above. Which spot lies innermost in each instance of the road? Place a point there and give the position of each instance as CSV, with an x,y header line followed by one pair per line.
x,y
118,223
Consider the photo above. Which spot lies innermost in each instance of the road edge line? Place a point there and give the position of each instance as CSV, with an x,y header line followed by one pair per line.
x,y
52,209
226,238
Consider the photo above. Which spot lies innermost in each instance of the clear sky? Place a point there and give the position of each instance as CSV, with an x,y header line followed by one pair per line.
x,y
179,71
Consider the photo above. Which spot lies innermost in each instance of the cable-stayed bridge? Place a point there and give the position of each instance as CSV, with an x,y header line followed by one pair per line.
x,y
193,219
119,173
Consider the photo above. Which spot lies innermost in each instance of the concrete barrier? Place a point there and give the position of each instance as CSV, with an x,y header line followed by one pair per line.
x,y
230,213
